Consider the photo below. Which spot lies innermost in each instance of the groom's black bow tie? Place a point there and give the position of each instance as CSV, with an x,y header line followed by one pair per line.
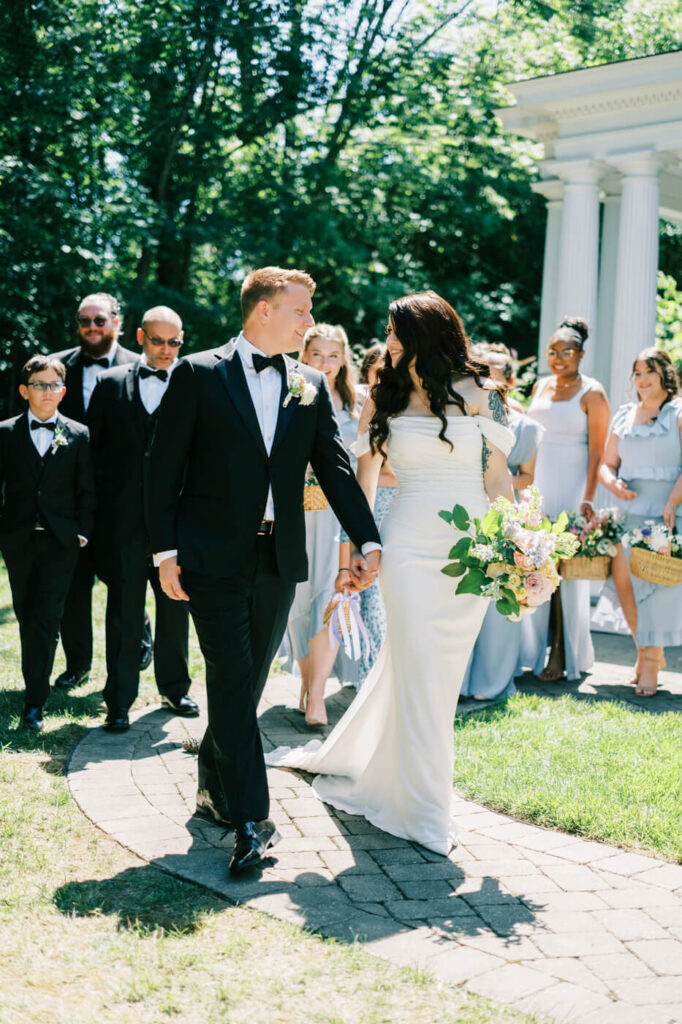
x,y
260,362
146,371
92,361
39,425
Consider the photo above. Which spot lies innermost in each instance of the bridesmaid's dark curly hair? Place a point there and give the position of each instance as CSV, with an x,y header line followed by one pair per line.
x,y
432,334
660,362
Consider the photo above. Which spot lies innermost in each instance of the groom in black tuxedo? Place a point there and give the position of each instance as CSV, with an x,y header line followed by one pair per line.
x,y
235,434
98,323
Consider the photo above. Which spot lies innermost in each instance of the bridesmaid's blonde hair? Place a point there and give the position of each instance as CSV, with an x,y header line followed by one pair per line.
x,y
344,382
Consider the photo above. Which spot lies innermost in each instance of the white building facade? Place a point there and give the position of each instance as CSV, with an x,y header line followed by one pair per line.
x,y
612,167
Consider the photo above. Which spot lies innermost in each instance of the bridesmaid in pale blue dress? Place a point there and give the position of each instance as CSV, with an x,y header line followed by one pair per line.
x,y
643,468
372,608
494,659
574,411
326,348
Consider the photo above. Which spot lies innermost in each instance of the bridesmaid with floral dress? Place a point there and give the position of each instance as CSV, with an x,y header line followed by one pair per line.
x,y
574,411
494,659
643,468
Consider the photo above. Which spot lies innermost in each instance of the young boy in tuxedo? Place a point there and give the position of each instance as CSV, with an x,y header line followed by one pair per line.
x,y
46,515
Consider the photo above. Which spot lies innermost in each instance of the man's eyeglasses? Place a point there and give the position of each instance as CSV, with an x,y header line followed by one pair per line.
x,y
98,321
555,353
173,342
46,385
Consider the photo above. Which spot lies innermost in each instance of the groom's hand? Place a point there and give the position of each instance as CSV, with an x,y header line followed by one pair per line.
x,y
169,578
364,569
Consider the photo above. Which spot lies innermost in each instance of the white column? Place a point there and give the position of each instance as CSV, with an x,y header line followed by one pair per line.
x,y
579,247
553,191
608,258
634,313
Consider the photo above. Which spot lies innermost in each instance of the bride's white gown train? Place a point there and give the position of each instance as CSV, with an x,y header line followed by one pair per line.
x,y
390,757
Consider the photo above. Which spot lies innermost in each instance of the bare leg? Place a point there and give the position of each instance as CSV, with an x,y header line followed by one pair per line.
x,y
304,666
321,657
623,584
647,685
556,664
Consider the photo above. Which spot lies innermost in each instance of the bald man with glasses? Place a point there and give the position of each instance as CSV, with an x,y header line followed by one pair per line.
x,y
121,416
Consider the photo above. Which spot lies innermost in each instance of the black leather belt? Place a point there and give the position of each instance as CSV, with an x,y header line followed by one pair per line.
x,y
266,528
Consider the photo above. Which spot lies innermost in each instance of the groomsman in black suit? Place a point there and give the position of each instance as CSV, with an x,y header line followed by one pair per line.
x,y
235,434
121,417
45,514
98,325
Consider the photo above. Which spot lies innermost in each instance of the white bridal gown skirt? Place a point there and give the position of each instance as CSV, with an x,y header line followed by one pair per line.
x,y
390,758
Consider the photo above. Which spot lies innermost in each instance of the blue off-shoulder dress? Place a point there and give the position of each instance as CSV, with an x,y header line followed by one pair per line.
x,y
495,657
651,462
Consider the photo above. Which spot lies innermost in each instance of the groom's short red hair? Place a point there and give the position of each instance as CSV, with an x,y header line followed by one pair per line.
x,y
266,282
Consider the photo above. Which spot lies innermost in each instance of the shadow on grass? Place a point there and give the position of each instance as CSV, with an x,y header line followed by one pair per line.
x,y
143,899
622,693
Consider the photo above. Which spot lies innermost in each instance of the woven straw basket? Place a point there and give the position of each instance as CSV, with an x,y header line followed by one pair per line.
x,y
653,568
314,499
580,568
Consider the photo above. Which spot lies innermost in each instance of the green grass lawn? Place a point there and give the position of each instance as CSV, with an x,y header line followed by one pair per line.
x,y
600,769
90,934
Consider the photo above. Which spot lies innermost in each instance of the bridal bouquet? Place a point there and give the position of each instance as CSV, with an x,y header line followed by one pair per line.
x,y
511,554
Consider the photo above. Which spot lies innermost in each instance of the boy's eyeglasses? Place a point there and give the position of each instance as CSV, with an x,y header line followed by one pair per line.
x,y
173,342
46,385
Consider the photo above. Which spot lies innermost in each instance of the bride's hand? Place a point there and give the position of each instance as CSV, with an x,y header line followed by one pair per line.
x,y
344,581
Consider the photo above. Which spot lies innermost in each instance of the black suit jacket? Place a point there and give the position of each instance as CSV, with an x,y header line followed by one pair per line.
x,y
120,435
71,404
57,489
209,470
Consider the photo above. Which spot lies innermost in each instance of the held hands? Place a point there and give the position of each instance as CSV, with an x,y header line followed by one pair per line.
x,y
169,578
362,573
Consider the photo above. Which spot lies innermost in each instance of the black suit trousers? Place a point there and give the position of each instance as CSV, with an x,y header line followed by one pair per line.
x,y
126,568
39,573
240,621
76,625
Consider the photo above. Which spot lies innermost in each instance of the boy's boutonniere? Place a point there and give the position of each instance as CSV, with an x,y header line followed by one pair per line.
x,y
300,388
59,439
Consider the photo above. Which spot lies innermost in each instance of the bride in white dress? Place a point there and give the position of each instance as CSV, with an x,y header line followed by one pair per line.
x,y
390,757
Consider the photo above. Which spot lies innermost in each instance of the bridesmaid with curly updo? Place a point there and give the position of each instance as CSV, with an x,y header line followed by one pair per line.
x,y
574,410
643,469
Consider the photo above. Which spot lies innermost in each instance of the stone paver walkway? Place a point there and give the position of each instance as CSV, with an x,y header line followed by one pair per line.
x,y
575,930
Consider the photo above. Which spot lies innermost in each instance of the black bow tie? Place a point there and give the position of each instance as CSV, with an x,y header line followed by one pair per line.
x,y
146,371
277,362
92,361
38,425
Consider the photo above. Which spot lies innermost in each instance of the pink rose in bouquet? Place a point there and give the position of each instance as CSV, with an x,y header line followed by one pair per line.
x,y
538,589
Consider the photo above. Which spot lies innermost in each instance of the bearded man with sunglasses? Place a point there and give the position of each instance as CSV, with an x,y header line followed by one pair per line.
x,y
121,416
98,323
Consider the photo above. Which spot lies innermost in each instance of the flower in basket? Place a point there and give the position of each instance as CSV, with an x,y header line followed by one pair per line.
x,y
511,554
598,534
310,478
655,537
299,387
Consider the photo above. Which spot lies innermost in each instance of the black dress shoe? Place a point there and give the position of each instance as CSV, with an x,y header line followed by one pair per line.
x,y
147,646
252,840
32,717
72,677
116,720
183,706
215,811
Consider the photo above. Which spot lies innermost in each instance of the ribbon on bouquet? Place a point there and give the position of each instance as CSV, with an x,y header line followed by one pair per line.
x,y
345,623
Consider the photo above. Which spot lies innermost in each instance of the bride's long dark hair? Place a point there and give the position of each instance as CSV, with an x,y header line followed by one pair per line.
x,y
430,332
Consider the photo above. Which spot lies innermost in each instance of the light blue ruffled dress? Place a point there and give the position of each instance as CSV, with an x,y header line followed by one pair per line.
x,y
561,477
313,595
494,659
651,462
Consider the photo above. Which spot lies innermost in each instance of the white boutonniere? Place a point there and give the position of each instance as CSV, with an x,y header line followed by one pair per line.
x,y
300,388
59,439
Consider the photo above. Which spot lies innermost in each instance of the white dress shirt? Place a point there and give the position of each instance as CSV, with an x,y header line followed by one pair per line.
x,y
90,374
265,389
42,439
152,389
